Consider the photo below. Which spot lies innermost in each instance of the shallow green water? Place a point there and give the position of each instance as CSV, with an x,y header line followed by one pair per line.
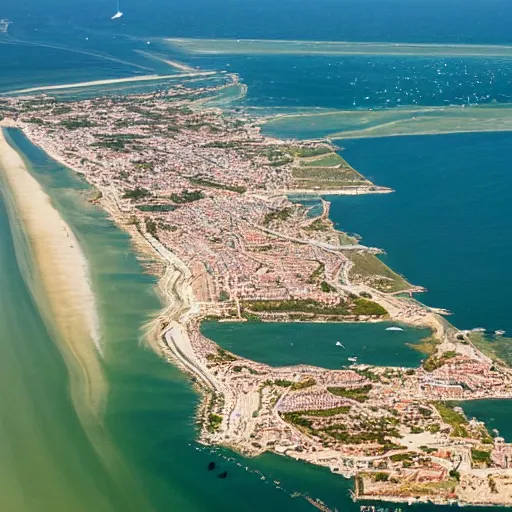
x,y
280,344
47,460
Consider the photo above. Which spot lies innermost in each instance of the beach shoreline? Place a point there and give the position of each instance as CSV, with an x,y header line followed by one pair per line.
x,y
231,398
71,307
113,81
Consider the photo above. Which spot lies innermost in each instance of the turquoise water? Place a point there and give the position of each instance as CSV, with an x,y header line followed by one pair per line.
x,y
49,462
447,226
279,344
495,413
453,21
79,41
363,82
150,411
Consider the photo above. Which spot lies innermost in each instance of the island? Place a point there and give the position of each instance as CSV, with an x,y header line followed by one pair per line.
x,y
214,208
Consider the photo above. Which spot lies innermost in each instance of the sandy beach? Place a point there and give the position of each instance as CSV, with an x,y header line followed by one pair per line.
x,y
173,63
243,405
65,297
93,83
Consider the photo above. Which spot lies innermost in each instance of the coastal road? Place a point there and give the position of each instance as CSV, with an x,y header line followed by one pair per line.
x,y
321,245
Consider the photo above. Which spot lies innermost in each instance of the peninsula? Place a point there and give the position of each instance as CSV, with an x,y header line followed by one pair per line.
x,y
207,197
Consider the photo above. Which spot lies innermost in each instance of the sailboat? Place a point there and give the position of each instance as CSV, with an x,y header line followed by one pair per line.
x,y
118,14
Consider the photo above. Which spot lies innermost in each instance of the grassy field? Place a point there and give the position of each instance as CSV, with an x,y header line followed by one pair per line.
x,y
498,348
327,174
326,171
329,160
453,418
369,268
359,394
346,239
305,152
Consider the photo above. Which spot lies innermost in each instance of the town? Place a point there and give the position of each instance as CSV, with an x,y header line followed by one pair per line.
x,y
221,212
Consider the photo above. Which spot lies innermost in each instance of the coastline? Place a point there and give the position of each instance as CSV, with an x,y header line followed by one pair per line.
x,y
145,78
175,334
66,297
346,191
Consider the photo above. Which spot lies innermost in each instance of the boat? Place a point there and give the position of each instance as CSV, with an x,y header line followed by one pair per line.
x,y
353,359
499,332
118,14
394,329
339,344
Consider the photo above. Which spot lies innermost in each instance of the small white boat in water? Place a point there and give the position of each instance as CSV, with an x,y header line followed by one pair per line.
x,y
394,329
353,359
118,14
339,344
499,333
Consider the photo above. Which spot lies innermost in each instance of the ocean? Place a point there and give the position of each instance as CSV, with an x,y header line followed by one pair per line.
x,y
50,462
445,228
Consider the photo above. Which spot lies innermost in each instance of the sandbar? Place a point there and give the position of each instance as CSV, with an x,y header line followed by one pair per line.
x,y
93,83
62,286
296,47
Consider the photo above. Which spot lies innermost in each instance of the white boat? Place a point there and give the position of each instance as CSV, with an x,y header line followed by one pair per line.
x,y
394,329
499,333
353,359
118,14
339,344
